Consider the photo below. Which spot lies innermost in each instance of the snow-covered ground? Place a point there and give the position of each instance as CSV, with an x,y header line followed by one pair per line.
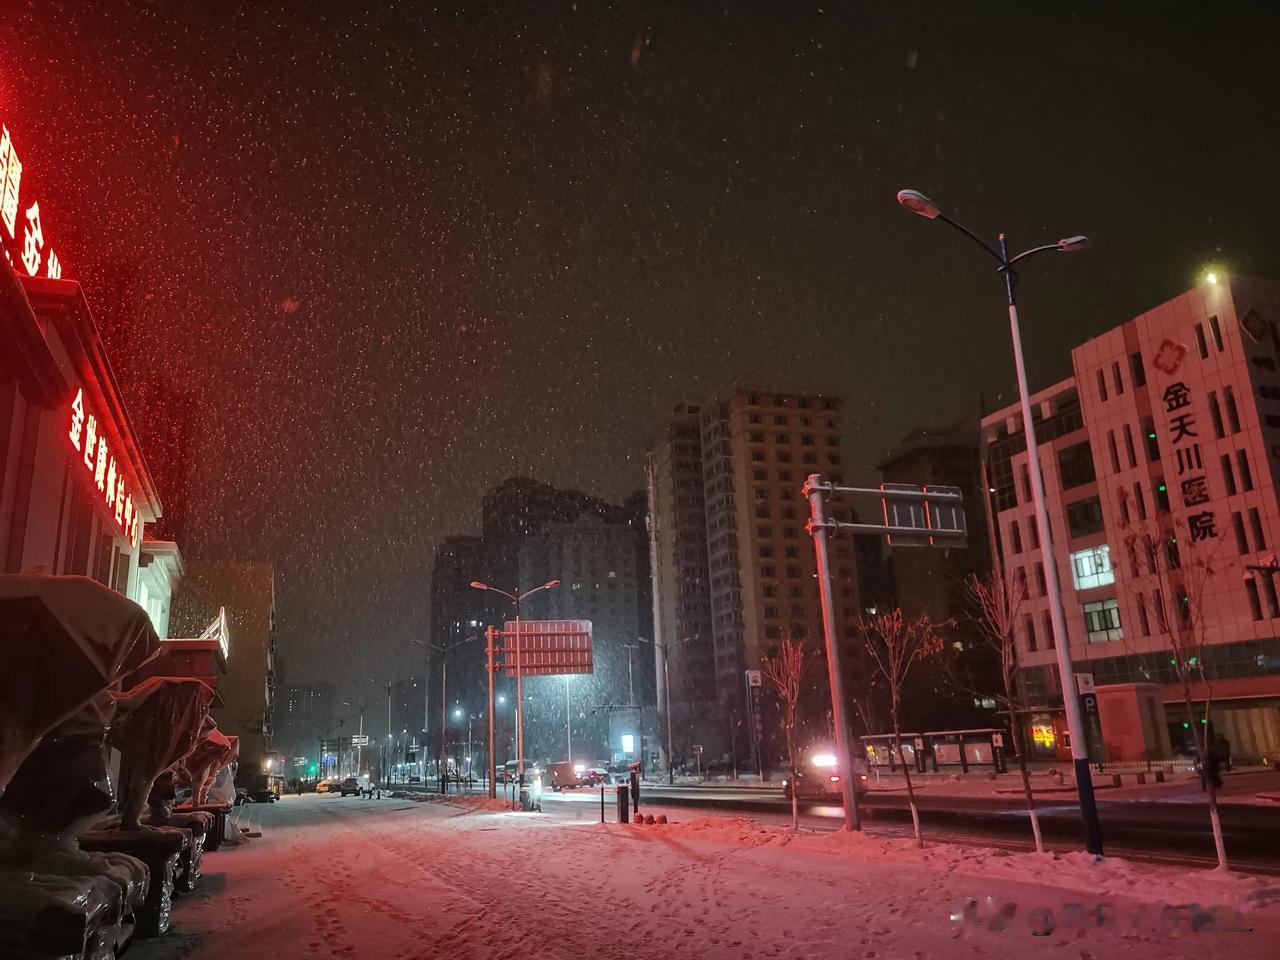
x,y
398,879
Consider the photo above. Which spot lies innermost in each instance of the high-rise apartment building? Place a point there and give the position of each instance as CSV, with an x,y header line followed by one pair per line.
x,y
754,449
596,564
523,513
678,570
1160,458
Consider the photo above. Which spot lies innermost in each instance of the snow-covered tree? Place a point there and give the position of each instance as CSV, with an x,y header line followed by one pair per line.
x,y
785,672
894,645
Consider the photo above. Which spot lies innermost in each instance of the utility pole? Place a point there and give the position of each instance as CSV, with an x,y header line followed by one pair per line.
x,y
568,722
489,650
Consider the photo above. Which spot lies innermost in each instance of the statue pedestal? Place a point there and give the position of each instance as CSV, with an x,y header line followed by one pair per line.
x,y
214,835
198,825
44,916
159,848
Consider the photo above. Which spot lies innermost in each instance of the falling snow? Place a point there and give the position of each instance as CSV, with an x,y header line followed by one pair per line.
x,y
392,256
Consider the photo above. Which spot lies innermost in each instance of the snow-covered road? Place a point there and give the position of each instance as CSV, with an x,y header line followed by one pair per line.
x,y
334,877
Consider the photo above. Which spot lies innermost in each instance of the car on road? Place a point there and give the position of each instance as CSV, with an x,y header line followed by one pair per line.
x,y
328,786
350,787
507,772
821,778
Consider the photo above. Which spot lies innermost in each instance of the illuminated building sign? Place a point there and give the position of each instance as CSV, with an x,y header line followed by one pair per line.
x,y
21,227
100,466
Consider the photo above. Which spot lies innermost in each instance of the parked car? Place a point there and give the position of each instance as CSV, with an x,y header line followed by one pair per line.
x,y
328,786
595,776
351,786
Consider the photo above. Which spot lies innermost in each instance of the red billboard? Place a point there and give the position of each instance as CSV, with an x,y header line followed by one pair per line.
x,y
546,647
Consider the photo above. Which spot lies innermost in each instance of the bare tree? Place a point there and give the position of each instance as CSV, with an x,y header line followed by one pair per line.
x,y
997,605
895,644
785,672
1171,589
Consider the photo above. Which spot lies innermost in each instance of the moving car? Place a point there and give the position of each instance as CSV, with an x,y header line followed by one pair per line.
x,y
821,778
328,786
350,786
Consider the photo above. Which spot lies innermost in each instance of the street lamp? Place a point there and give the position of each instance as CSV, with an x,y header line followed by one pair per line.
x,y
444,699
918,203
516,599
661,647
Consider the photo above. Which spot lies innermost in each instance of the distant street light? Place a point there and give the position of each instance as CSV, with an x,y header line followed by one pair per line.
x,y
661,647
516,599
918,203
444,699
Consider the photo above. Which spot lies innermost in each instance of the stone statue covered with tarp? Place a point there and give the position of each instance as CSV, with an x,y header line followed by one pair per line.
x,y
67,643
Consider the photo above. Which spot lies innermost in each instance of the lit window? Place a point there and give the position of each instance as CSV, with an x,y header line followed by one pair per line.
x,y
1102,621
1092,568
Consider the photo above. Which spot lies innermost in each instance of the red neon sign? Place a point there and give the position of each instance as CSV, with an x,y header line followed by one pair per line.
x,y
21,229
101,468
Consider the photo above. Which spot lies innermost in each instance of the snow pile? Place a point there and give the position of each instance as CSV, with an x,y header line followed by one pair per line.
x,y
1111,877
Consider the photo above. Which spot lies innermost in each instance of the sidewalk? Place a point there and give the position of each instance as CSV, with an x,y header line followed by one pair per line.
x,y
1240,785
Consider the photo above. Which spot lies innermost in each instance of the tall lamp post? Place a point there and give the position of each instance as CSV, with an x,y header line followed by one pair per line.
x,y
661,647
919,204
516,599
444,698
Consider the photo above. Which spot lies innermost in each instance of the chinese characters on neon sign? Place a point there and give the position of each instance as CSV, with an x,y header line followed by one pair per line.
x,y
21,232
1192,484
100,465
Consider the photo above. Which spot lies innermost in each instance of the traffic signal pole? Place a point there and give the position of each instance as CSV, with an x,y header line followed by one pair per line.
x,y
814,490
940,518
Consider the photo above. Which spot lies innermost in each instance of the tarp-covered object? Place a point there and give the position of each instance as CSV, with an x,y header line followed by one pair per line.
x,y
209,756
63,641
157,725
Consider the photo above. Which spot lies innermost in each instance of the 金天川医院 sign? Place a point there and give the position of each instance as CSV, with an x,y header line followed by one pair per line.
x,y
95,456
21,226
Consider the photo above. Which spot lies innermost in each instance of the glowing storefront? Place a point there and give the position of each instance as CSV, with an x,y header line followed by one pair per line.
x,y
75,494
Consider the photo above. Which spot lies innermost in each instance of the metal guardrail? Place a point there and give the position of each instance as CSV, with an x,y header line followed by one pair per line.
x,y
1144,766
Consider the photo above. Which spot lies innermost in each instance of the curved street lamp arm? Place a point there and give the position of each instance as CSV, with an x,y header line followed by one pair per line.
x,y
529,593
1028,254
511,597
971,235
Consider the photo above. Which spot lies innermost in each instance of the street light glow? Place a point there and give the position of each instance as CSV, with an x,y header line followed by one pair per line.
x,y
457,714
476,584
1072,244
1211,277
918,203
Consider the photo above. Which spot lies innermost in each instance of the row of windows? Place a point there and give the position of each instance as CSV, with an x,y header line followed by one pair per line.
x,y
780,420
784,456
791,553
1137,370
806,439
1245,658
1215,330
804,403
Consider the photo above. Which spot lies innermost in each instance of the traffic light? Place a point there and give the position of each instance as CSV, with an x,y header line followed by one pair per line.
x,y
312,769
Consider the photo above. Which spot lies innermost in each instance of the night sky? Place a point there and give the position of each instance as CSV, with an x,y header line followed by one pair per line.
x,y
398,256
